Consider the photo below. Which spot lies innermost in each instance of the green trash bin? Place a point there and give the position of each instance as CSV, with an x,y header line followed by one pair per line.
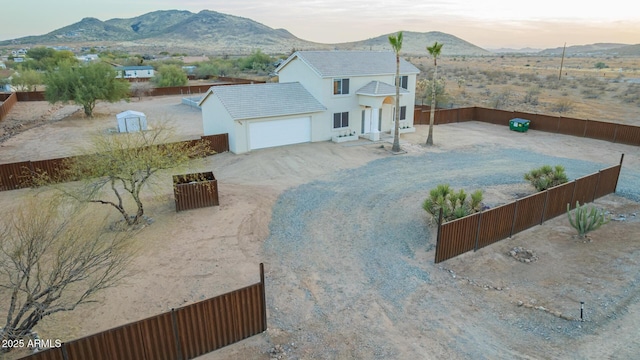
x,y
518,124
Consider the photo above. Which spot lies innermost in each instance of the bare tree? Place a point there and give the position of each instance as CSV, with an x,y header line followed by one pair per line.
x,y
126,164
140,89
52,260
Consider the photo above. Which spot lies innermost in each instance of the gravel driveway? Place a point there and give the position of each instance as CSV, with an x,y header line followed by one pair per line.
x,y
356,257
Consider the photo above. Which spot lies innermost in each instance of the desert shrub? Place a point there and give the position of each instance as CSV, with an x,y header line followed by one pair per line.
x,y
590,93
454,204
546,177
600,65
531,97
586,218
501,99
562,105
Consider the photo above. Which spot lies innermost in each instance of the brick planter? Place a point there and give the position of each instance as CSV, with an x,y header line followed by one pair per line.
x,y
193,191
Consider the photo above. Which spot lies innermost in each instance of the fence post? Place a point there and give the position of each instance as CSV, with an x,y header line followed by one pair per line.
x,y
478,231
544,207
619,171
263,298
615,134
438,235
176,336
515,216
63,348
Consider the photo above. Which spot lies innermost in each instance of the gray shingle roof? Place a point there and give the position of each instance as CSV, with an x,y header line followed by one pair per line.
x,y
379,88
265,100
352,63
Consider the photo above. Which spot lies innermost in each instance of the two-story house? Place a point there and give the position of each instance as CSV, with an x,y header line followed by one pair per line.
x,y
320,95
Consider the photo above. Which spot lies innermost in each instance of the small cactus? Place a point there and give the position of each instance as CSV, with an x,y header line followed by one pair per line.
x,y
586,218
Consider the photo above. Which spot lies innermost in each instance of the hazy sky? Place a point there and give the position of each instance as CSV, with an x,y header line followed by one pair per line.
x,y
486,23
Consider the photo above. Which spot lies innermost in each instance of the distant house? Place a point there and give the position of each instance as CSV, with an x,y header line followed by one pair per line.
x,y
88,58
321,95
135,72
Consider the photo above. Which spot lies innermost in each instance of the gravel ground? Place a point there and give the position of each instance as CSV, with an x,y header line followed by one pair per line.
x,y
372,258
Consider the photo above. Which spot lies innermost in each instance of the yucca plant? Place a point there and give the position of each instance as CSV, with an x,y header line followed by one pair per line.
x,y
454,204
546,177
586,218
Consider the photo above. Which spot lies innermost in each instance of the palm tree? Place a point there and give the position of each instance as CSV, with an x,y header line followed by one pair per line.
x,y
396,44
434,51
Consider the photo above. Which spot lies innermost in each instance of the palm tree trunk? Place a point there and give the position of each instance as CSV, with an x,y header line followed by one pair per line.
x,y
396,136
432,113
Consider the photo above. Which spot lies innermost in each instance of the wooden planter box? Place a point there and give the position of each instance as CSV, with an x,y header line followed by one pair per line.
x,y
193,191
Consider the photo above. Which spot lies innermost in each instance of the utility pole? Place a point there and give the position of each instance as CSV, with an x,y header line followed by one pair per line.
x,y
562,61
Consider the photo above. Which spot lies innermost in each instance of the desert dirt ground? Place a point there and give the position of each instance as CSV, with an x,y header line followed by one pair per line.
x,y
484,300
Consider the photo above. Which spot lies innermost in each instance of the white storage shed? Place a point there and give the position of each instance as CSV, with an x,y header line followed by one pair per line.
x,y
131,121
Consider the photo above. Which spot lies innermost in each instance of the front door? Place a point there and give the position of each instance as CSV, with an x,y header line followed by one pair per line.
x,y
366,121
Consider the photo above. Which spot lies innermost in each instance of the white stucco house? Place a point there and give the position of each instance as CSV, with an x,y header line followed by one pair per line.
x,y
320,95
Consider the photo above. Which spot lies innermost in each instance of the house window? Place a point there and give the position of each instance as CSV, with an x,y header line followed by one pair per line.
x,y
340,120
340,86
404,82
403,113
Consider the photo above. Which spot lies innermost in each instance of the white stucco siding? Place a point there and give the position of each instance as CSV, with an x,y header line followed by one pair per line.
x,y
298,71
216,120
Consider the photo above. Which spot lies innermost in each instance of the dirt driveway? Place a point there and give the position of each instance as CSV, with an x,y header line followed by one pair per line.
x,y
349,255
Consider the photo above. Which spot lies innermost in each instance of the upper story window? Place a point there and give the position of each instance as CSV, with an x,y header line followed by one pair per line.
x,y
404,82
340,86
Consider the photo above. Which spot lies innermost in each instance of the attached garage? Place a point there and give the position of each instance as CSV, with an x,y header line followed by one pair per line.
x,y
258,116
265,134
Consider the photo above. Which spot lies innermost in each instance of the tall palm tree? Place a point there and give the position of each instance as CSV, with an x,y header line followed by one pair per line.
x,y
434,51
396,44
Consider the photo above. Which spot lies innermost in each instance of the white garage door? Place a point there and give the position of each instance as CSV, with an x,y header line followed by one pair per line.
x,y
264,134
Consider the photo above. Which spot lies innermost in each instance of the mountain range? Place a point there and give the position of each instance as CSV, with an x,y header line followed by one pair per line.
x,y
214,33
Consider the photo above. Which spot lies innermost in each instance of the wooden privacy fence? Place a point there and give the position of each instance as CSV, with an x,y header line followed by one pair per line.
x,y
7,103
181,334
162,91
601,130
21,174
487,227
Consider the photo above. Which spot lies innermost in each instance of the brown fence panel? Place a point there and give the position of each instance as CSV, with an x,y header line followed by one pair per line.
x,y
529,211
248,303
585,189
418,116
125,342
7,104
446,116
496,224
15,176
30,96
543,122
467,114
608,181
494,116
557,200
50,354
159,337
601,130
211,324
218,143
92,347
627,134
203,193
571,126
54,168
457,237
